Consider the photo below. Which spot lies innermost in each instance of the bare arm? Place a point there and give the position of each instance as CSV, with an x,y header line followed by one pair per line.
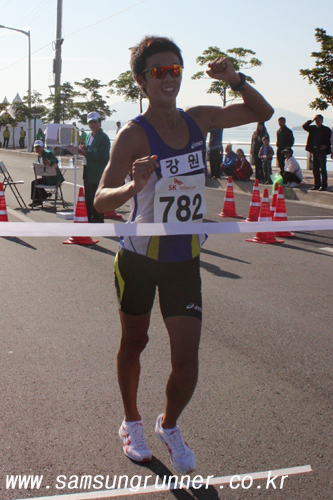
x,y
253,109
128,155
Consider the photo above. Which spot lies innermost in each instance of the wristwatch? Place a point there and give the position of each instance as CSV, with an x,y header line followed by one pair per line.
x,y
240,84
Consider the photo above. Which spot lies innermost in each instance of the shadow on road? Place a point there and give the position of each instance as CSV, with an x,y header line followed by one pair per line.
x,y
218,272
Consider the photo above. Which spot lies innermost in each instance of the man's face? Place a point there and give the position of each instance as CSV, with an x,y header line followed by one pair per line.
x,y
281,123
319,121
94,126
228,149
39,150
287,155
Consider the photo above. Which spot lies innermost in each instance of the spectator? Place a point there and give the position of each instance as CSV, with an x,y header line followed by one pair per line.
x,y
118,125
243,169
96,152
266,154
284,139
22,137
319,144
83,136
292,175
215,152
73,134
6,136
229,163
40,136
47,158
256,143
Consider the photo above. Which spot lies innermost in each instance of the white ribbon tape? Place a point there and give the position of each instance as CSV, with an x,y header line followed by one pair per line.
x,y
44,229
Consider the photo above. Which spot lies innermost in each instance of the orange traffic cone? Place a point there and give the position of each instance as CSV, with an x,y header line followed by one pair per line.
x,y
3,208
274,199
80,216
255,203
112,214
281,214
265,216
229,207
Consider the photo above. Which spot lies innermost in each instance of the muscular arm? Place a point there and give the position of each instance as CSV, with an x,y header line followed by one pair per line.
x,y
129,154
253,109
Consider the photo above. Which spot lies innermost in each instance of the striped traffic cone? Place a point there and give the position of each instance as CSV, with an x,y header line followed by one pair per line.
x,y
281,214
3,208
112,214
255,204
274,199
229,206
80,216
265,216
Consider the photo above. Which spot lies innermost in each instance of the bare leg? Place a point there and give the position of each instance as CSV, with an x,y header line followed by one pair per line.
x,y
134,339
184,333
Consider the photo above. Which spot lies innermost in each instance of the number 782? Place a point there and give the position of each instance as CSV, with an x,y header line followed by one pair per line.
x,y
184,207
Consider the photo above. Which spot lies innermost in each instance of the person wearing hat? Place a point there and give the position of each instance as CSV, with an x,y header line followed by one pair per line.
x,y
319,144
40,135
47,158
292,175
96,152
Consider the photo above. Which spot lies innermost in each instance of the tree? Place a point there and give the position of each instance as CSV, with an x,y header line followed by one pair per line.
x,y
322,74
92,100
62,104
126,86
37,110
240,60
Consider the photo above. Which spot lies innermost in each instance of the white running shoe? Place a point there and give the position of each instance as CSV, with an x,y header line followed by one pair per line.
x,y
181,455
134,443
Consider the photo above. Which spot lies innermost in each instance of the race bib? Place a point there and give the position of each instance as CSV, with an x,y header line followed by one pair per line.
x,y
180,199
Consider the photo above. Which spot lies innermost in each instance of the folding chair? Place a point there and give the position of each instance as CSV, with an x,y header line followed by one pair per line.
x,y
55,189
8,181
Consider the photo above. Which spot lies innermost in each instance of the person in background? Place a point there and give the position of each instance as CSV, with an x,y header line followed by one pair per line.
x,y
229,163
118,125
83,136
243,169
215,152
45,157
96,152
73,134
266,155
6,136
284,139
292,174
22,137
319,144
256,143
40,136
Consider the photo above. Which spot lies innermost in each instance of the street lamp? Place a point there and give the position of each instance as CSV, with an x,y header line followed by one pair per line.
x,y
27,33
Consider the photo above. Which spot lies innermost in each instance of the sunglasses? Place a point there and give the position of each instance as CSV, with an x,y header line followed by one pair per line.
x,y
160,72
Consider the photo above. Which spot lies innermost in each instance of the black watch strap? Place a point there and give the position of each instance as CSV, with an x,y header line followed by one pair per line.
x,y
240,84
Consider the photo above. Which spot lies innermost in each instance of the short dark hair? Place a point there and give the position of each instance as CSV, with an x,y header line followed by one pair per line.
x,y
265,137
149,46
282,118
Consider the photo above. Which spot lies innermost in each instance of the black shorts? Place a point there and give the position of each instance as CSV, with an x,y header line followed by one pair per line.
x,y
179,285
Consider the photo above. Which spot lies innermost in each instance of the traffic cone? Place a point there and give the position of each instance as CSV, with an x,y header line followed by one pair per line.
x,y
229,207
255,203
265,216
281,214
80,216
3,208
274,198
112,214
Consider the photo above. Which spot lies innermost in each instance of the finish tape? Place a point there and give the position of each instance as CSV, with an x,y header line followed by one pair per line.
x,y
46,229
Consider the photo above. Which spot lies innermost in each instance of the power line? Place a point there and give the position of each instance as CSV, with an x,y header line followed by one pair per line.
x,y
78,31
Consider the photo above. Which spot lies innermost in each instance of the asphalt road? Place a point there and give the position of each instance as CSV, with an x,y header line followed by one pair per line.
x,y
264,397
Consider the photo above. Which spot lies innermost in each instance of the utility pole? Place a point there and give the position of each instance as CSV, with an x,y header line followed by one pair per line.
x,y
57,62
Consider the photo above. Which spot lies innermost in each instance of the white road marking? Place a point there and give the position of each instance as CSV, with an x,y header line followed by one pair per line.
x,y
327,249
96,495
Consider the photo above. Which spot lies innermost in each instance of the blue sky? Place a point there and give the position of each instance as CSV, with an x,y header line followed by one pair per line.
x,y
280,32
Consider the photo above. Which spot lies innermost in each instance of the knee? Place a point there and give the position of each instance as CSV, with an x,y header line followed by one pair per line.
x,y
133,347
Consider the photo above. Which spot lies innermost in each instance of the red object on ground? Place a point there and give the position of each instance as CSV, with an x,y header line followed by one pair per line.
x,y
229,206
3,208
80,216
265,216
255,204
281,214
112,214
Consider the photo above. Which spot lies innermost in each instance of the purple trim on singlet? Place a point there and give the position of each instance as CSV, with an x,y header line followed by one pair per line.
x,y
159,148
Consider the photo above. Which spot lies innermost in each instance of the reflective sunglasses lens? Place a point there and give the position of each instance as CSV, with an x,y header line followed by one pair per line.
x,y
160,72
